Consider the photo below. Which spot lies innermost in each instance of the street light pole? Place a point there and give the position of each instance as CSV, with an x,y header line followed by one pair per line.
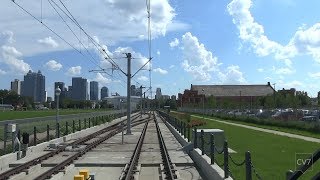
x,y
240,101
274,94
203,103
57,93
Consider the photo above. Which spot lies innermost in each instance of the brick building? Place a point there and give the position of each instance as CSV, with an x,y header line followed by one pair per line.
x,y
233,94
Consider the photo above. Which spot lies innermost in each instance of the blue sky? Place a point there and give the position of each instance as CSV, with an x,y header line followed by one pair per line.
x,y
198,42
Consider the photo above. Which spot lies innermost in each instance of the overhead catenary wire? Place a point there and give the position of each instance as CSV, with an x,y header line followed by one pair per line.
x,y
50,29
93,59
96,44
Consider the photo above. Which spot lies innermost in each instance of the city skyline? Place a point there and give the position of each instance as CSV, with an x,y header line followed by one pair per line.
x,y
93,92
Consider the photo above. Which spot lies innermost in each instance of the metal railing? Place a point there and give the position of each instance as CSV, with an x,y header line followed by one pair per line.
x,y
182,127
310,161
37,133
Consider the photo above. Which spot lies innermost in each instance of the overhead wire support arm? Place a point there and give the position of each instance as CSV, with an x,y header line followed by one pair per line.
x,y
97,45
142,67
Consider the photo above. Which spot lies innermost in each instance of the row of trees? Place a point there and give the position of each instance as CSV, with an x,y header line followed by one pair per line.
x,y
21,102
278,100
11,97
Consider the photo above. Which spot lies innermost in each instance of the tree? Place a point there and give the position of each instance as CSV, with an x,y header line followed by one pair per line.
x,y
211,102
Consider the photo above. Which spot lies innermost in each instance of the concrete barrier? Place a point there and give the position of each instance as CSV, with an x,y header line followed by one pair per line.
x,y
34,150
203,162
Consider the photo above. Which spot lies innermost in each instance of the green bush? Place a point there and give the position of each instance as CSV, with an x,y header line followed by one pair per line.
x,y
311,127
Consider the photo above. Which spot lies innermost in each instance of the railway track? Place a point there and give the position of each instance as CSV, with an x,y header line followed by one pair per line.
x,y
143,155
109,131
167,167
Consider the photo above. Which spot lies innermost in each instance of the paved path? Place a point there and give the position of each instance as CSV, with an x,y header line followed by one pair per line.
x,y
306,138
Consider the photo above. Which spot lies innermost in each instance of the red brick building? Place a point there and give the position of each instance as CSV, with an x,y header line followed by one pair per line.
x,y
233,94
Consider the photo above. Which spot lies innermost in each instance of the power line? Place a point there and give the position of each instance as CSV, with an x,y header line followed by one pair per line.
x,y
94,60
26,11
101,49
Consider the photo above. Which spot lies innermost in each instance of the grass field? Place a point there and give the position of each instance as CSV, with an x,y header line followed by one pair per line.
x,y
272,155
283,129
9,115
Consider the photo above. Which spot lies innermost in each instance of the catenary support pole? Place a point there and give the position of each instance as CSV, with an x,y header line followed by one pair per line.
x,y
129,94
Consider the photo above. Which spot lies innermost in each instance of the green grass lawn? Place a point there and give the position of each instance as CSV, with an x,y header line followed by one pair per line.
x,y
272,155
9,115
282,129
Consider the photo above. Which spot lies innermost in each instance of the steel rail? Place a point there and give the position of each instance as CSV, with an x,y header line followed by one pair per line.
x,y
169,171
128,170
92,145
20,168
69,160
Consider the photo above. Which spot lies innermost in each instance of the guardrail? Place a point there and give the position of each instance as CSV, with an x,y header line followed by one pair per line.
x,y
185,129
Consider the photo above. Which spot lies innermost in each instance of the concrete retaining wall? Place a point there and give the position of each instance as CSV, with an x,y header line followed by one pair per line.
x,y
33,150
203,162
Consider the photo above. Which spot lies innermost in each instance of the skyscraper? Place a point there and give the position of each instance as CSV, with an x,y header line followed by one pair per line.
x,y
133,90
63,89
94,91
34,86
158,93
104,92
16,86
79,88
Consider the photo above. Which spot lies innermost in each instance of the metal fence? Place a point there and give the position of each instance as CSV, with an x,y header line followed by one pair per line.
x,y
185,129
40,129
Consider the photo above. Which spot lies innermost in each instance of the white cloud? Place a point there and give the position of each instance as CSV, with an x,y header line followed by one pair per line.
x,y
260,69
197,60
110,26
283,71
102,79
268,78
48,41
174,43
250,31
2,72
292,84
233,75
136,63
306,41
161,71
11,59
171,66
202,64
314,75
53,65
8,36
143,78
74,71
158,52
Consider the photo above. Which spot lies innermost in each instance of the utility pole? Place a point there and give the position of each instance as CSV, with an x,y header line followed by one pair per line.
x,y
144,97
141,87
240,101
129,94
129,77
274,94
